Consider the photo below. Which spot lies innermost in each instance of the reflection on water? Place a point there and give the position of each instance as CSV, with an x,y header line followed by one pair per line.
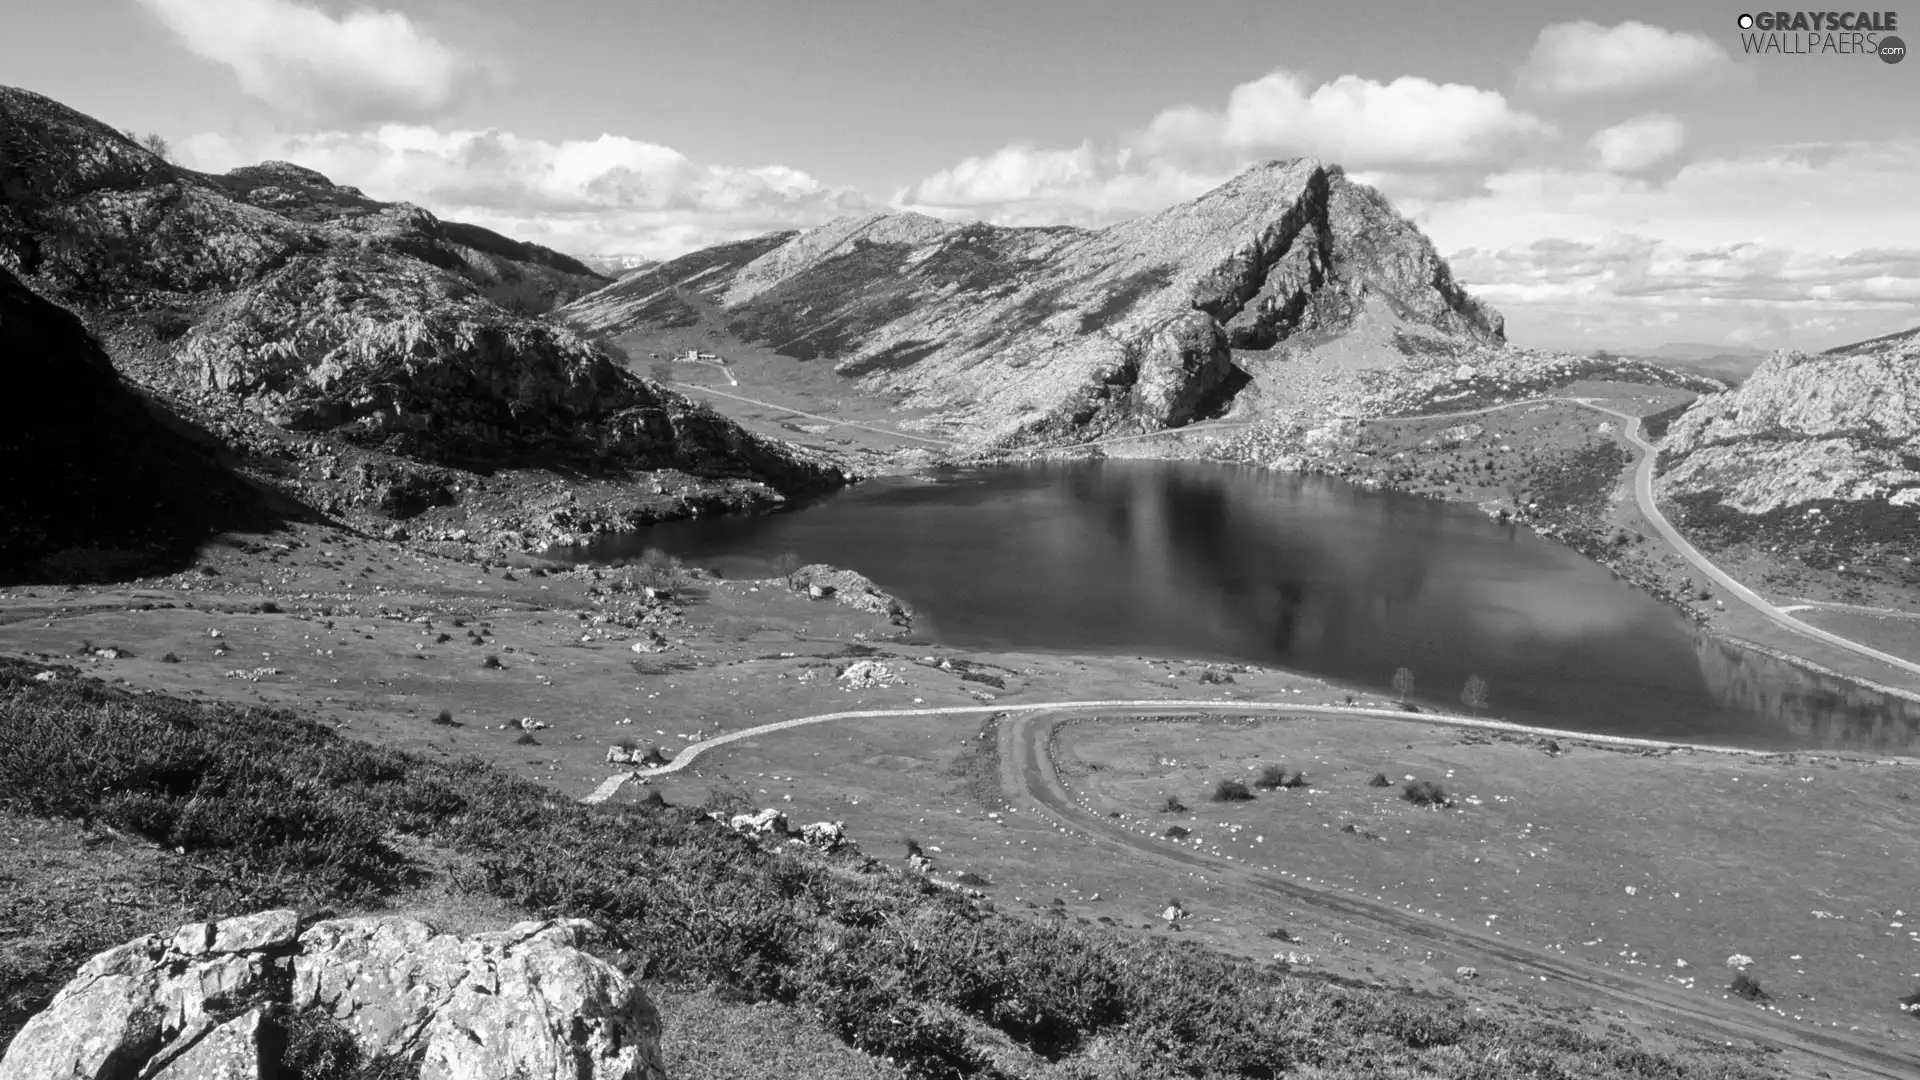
x,y
1239,563
1814,709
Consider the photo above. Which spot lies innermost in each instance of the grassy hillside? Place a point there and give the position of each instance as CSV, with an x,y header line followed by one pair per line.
x,y
261,807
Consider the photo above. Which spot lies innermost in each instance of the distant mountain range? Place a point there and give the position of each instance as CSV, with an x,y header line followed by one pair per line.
x,y
1730,364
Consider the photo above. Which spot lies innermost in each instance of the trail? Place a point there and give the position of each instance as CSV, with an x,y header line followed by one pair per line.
x,y
692,751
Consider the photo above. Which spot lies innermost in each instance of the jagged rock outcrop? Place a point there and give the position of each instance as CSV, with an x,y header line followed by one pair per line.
x,y
230,999
1023,333
1841,425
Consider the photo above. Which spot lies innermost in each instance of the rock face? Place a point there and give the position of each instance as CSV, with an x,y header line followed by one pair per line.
x,y
1841,425
1020,332
856,590
216,1001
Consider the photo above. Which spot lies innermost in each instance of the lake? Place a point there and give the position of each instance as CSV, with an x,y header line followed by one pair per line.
x,y
1239,563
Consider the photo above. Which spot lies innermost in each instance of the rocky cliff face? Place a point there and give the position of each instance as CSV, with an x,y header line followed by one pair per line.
x,y
1841,425
274,300
1816,455
1021,333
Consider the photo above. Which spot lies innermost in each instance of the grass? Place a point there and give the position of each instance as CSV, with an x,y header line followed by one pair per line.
x,y
271,809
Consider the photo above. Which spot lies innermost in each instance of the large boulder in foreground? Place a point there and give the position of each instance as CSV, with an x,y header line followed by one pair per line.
x,y
240,997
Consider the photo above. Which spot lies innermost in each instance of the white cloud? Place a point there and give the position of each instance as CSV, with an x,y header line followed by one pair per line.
x,y
1411,125
365,65
1409,122
1583,58
1780,247
611,195
1021,185
1638,144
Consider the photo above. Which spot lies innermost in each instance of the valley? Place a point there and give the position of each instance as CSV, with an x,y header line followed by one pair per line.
x,y
1005,552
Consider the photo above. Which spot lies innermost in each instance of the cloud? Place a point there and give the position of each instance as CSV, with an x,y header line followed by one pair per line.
x,y
363,66
607,196
1022,185
1411,125
1582,58
1409,122
1637,144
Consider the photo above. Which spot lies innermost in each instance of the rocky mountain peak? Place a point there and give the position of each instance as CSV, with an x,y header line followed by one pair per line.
x,y
1018,332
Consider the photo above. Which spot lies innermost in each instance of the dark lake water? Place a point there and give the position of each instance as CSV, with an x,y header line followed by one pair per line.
x,y
1244,564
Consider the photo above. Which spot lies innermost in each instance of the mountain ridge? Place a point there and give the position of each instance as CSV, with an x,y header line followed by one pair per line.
x,y
1017,334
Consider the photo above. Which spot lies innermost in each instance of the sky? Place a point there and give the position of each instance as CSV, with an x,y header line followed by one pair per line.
x,y
1617,175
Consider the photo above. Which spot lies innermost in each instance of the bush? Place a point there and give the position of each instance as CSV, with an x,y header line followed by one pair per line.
x,y
268,607
1173,806
1379,780
526,739
1748,987
1273,776
170,658
1177,832
968,877
1424,793
492,662
913,847
1231,791
445,718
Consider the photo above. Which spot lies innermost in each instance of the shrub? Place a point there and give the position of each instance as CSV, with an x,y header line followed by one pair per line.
x,y
442,639
1173,806
968,877
170,658
492,661
1379,780
1424,793
526,739
913,847
1212,676
1274,776
1746,986
268,607
1176,832
1231,791
444,718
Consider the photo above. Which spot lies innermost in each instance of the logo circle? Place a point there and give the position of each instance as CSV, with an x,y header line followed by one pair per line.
x,y
1746,22
1892,50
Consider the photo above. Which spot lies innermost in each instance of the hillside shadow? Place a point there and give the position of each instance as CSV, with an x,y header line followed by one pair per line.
x,y
103,484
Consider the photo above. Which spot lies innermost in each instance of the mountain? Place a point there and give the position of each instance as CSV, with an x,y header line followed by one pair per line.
x,y
618,266
1730,364
275,308
100,481
1820,453
1020,333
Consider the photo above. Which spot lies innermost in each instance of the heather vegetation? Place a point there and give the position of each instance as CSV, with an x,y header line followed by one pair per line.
x,y
276,810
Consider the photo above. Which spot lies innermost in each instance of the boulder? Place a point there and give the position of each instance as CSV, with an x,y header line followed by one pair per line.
x,y
210,1001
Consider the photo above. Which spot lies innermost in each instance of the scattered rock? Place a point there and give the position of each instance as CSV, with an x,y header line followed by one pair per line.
x,y
1466,972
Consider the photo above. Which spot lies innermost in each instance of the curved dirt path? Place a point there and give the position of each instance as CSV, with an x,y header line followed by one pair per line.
x,y
692,751
1027,768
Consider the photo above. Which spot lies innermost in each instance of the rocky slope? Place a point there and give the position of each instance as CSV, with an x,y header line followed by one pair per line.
x,y
1020,334
322,334
1816,453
